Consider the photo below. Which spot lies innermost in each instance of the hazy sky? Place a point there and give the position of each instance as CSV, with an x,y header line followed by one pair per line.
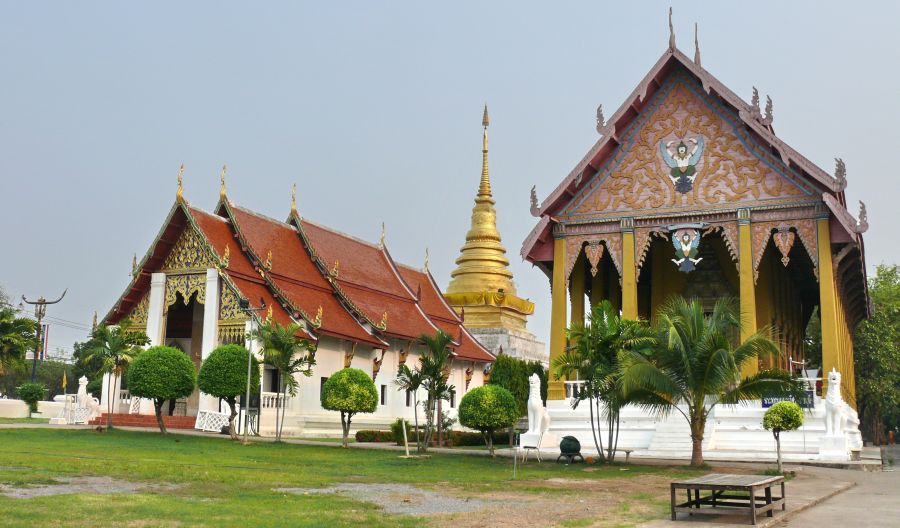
x,y
374,110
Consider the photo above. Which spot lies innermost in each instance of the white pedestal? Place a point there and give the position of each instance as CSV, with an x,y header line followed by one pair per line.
x,y
834,448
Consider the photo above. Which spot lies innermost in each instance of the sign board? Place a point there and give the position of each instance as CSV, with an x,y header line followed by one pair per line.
x,y
805,402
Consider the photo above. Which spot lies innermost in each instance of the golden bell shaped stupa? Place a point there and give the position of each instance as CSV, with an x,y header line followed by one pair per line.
x,y
481,286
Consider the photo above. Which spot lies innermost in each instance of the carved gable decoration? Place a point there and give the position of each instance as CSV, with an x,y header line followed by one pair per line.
x,y
190,253
685,151
784,233
594,251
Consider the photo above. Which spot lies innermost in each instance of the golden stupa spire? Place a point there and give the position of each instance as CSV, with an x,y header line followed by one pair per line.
x,y
482,283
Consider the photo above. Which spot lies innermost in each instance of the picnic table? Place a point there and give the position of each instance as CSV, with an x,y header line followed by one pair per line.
x,y
729,494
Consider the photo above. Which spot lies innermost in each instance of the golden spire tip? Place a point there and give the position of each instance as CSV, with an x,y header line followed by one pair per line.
x,y
222,182
485,120
179,193
294,199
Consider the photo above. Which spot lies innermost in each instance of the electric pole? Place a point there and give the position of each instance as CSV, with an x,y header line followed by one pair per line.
x,y
40,309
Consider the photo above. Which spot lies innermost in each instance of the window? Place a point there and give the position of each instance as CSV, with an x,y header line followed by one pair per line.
x,y
409,398
383,394
322,387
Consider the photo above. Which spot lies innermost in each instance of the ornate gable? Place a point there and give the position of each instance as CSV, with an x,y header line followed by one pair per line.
x,y
686,152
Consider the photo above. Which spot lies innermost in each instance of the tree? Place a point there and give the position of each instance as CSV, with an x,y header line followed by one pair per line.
x,y
876,348
783,416
162,373
114,348
349,391
17,336
32,393
224,375
410,380
91,369
812,341
695,366
594,358
289,354
511,374
433,367
486,409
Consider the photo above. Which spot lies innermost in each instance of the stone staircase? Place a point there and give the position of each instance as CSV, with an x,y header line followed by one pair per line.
x,y
146,420
672,438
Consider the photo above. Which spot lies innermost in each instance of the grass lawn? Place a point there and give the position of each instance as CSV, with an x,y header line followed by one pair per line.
x,y
215,482
24,420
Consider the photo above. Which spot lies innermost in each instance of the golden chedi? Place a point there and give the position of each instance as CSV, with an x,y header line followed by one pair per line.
x,y
482,288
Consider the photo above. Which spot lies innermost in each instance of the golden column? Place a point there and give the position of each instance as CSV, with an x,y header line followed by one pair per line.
x,y
828,305
629,273
747,286
556,389
482,282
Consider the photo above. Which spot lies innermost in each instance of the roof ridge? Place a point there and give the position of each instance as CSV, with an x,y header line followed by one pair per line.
x,y
340,233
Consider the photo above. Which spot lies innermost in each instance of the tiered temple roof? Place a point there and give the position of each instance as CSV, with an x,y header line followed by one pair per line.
x,y
330,283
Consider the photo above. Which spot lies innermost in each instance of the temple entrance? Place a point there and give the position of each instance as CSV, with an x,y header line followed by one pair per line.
x,y
184,331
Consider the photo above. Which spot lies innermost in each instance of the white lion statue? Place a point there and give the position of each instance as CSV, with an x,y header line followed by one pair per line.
x,y
840,418
85,401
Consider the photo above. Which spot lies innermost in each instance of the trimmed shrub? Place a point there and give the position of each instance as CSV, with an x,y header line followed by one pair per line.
x,y
397,431
374,436
32,393
466,438
224,375
349,391
161,373
783,416
487,409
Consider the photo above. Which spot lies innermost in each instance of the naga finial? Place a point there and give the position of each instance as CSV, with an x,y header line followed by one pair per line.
x,y
863,225
268,264
384,321
226,256
294,199
179,193
601,121
336,269
222,182
134,268
535,208
426,259
318,320
381,242
840,174
769,114
671,32
696,45
754,104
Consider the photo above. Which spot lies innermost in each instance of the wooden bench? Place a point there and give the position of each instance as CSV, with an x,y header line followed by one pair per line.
x,y
729,494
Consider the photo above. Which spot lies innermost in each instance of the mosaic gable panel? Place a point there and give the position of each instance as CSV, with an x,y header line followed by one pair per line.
x,y
190,252
684,153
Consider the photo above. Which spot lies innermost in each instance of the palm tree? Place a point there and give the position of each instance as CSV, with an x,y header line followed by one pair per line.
x,y
289,354
410,380
696,366
594,359
16,336
433,367
114,347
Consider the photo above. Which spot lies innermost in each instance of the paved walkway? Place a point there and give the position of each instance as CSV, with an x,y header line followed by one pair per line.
x,y
873,502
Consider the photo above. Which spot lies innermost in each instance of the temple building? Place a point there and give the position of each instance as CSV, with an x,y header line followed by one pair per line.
x,y
689,191
349,297
481,288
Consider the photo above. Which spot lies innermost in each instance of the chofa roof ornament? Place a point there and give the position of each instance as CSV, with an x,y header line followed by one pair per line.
x,y
840,174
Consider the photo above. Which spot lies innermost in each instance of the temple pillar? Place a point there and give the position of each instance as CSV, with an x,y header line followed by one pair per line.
x,y
828,305
556,389
210,331
629,273
577,293
747,286
156,317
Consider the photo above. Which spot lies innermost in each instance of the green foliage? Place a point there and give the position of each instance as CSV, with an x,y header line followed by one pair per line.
x,y
431,375
488,408
95,387
374,436
696,365
783,416
113,348
224,373
397,431
17,336
162,373
47,372
32,393
350,390
812,341
876,348
512,374
465,438
594,357
290,354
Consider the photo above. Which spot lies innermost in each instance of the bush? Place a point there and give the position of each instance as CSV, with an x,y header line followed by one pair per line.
x,y
224,375
487,409
374,436
512,374
349,391
32,393
95,387
465,438
161,373
397,431
783,416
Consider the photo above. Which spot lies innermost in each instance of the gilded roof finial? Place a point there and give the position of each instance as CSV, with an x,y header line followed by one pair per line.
x,y
179,193
317,322
134,264
484,189
222,182
671,32
336,269
269,315
840,174
696,46
268,264
863,224
226,256
381,242
294,199
426,259
601,120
